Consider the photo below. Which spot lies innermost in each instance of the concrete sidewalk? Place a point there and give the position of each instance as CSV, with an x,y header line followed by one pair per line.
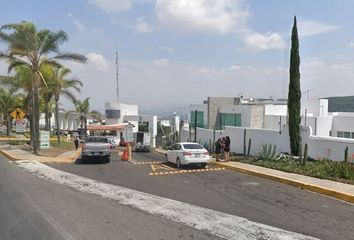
x,y
14,153
334,189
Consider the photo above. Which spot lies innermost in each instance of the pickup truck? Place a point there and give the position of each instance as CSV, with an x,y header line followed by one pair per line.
x,y
96,147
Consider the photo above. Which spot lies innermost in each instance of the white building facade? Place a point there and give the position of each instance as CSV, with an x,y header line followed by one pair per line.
x,y
216,113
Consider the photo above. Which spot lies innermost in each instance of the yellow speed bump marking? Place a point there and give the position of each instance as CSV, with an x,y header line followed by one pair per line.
x,y
147,163
186,171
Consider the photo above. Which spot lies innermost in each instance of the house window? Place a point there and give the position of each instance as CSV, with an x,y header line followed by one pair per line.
x,y
231,119
347,134
112,113
199,119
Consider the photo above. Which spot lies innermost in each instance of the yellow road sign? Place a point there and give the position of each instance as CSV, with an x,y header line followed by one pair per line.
x,y
18,114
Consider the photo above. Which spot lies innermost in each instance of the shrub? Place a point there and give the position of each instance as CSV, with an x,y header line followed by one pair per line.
x,y
268,153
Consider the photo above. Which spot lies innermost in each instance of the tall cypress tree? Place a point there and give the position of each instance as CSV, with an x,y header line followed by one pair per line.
x,y
294,94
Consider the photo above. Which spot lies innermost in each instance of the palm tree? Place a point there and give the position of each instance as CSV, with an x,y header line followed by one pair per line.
x,y
22,79
62,85
83,108
9,101
29,47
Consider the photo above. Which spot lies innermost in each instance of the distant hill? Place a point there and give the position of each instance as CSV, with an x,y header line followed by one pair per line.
x,y
165,111
341,104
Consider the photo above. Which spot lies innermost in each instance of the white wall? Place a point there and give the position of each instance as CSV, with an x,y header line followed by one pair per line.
x,y
67,121
272,122
315,107
278,110
319,147
125,109
342,122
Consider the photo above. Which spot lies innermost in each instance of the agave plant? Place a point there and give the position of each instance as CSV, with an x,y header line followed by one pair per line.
x,y
268,152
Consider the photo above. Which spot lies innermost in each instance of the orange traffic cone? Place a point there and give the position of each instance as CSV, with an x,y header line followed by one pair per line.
x,y
125,156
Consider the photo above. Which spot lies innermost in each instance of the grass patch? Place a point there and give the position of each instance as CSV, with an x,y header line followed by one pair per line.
x,y
63,144
323,169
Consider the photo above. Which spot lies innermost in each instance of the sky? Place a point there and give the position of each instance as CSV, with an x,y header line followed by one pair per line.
x,y
176,52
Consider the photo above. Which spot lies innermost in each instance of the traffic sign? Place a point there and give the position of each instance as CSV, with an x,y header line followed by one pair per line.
x,y
21,125
18,114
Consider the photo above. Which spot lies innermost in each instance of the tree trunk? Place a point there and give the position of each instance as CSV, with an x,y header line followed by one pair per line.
x,y
47,115
57,119
8,125
35,114
85,124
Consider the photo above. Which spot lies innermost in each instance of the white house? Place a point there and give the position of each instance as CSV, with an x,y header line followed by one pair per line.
x,y
218,112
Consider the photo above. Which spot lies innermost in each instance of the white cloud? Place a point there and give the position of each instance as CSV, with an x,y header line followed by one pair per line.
x,y
166,49
112,5
142,25
206,16
98,61
311,28
257,41
350,44
172,82
161,62
79,26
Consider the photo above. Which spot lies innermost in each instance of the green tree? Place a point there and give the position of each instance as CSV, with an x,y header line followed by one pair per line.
x,y
30,48
294,95
83,108
61,85
9,101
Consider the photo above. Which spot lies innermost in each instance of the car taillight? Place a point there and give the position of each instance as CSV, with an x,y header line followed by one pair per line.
x,y
206,153
187,153
110,146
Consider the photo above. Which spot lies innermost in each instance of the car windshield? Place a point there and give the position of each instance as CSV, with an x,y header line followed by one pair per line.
x,y
192,146
100,140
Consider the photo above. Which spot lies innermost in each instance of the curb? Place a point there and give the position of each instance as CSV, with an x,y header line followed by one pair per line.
x,y
159,151
314,188
8,155
14,158
75,155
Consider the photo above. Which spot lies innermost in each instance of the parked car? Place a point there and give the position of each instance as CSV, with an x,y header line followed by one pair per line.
x,y
139,147
114,141
96,147
187,153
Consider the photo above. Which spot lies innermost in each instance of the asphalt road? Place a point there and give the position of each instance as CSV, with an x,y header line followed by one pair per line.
x,y
33,208
254,198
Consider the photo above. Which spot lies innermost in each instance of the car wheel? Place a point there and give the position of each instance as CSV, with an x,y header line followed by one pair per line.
x,y
178,163
166,158
108,159
203,165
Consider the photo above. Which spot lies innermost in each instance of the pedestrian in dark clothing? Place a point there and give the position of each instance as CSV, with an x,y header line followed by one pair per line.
x,y
222,147
227,149
217,150
76,142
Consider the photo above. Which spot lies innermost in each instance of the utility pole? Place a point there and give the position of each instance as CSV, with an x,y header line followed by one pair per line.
x,y
195,125
117,74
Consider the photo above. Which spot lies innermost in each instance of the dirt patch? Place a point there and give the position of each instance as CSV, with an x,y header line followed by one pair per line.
x,y
53,151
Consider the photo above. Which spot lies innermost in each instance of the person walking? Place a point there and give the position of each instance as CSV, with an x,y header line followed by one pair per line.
x,y
227,149
76,142
217,150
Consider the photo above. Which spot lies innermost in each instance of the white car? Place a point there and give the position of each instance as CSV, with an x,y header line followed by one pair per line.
x,y
187,153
